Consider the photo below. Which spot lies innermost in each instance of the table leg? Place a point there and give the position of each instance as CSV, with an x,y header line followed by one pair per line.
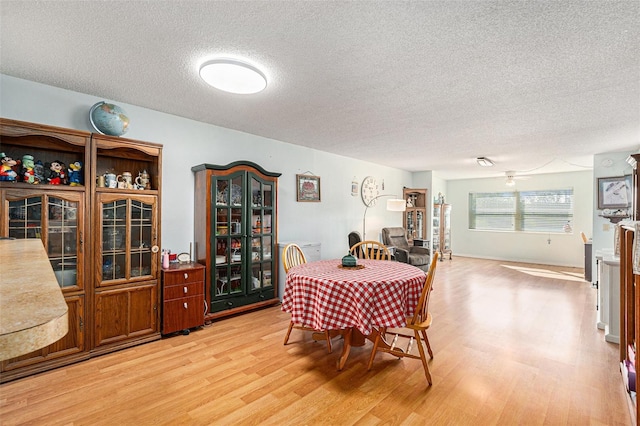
x,y
346,348
319,335
351,337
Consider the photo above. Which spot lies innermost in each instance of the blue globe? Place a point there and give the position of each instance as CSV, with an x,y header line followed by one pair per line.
x,y
109,119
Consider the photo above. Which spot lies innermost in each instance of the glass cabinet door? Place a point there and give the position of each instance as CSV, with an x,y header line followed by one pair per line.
x,y
420,224
230,232
262,241
446,228
243,239
127,238
57,221
410,223
436,228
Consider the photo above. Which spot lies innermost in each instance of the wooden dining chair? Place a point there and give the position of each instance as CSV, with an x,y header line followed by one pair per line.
x,y
370,250
292,255
418,323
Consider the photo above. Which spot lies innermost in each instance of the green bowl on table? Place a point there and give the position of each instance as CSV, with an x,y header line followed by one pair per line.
x,y
349,261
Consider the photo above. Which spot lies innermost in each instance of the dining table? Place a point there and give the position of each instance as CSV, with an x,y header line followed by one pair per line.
x,y
351,301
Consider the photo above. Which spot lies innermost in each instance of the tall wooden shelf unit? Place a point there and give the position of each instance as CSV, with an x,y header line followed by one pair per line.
x,y
415,217
236,235
100,241
442,229
630,296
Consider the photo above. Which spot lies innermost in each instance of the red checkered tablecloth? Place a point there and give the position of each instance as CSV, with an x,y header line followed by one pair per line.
x,y
325,297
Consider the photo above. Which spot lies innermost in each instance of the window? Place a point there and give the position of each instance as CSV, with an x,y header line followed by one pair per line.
x,y
532,211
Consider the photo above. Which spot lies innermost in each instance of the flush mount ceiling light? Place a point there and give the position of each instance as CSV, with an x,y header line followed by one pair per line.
x,y
233,76
484,162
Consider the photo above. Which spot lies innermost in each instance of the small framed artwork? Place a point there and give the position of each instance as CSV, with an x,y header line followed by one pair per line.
x,y
614,192
355,186
308,188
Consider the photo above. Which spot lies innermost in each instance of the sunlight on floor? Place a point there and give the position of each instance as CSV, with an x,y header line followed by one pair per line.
x,y
546,273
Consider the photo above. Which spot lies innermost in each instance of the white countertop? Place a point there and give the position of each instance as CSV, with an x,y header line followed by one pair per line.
x,y
33,312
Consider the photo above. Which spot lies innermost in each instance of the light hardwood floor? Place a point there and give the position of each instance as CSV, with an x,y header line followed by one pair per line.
x,y
514,344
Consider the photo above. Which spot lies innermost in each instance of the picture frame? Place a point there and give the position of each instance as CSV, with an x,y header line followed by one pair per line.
x,y
307,188
614,192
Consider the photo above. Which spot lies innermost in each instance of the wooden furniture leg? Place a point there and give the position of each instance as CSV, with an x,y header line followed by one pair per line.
x,y
346,348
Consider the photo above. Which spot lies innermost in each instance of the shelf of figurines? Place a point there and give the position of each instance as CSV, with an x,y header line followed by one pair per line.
x,y
12,184
615,216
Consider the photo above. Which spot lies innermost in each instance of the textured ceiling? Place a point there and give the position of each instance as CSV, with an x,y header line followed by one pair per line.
x,y
415,85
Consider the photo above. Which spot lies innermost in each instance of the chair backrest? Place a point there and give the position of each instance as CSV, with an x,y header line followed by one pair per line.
x,y
422,309
292,255
370,250
395,237
354,238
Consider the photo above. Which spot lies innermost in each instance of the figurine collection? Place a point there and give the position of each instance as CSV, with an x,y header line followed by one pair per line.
x,y
32,171
124,180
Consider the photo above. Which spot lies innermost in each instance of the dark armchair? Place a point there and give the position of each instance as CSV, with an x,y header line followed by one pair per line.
x,y
355,238
416,256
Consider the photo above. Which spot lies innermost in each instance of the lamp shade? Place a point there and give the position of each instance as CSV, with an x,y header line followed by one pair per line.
x,y
396,205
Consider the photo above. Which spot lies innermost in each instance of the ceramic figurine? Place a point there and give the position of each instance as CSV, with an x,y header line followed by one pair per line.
x,y
38,171
28,173
56,173
75,174
64,174
142,180
7,173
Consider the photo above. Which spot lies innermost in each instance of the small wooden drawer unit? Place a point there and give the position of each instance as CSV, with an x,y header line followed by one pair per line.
x,y
182,297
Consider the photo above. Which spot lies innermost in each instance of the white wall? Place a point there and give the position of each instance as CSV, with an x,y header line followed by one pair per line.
x,y
603,229
553,249
188,143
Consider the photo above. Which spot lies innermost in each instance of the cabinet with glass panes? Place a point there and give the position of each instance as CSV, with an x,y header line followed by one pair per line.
x,y
235,235
126,243
39,202
102,242
415,216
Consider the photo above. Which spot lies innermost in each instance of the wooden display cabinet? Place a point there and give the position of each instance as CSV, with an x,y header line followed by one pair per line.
x,y
183,297
83,228
126,242
630,296
442,229
415,217
56,214
236,235
629,318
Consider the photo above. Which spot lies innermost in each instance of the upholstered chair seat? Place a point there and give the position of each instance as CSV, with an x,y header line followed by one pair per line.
x,y
416,256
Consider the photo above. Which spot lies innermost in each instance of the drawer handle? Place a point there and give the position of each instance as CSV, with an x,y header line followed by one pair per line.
x,y
185,289
185,305
186,275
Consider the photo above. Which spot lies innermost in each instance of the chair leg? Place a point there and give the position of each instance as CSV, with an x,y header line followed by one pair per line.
x,y
426,340
286,338
381,332
326,334
423,357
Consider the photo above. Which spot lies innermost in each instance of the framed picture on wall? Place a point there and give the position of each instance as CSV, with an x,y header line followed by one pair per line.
x,y
308,188
614,192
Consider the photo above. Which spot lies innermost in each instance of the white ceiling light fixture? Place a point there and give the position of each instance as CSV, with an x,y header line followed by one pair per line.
x,y
233,76
484,162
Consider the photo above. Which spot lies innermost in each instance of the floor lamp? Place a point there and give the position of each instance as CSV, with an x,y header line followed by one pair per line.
x,y
393,205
